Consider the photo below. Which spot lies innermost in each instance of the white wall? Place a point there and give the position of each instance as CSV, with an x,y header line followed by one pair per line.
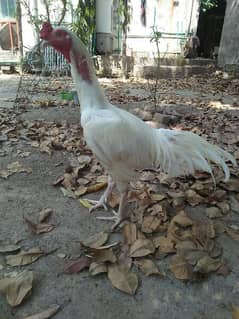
x,y
167,17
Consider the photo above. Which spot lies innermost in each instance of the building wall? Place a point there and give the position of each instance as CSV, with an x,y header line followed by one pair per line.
x,y
168,16
229,45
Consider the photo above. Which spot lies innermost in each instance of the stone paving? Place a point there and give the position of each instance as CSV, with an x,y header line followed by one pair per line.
x,y
9,84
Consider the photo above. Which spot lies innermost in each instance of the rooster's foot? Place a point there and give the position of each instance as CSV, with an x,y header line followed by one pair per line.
x,y
116,218
97,204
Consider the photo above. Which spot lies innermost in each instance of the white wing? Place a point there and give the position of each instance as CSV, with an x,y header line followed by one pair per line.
x,y
121,141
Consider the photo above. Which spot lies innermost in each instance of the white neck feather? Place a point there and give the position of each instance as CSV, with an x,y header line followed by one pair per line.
x,y
90,93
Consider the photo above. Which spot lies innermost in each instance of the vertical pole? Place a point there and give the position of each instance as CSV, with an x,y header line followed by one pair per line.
x,y
19,30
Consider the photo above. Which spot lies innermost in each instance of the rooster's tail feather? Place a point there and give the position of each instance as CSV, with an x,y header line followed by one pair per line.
x,y
182,153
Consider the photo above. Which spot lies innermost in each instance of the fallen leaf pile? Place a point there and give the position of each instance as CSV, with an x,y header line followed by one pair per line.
x,y
160,226
190,244
50,136
18,285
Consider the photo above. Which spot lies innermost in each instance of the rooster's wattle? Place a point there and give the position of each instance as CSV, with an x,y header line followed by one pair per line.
x,y
122,142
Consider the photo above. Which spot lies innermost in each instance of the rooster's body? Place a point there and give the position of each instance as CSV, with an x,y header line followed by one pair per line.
x,y
122,142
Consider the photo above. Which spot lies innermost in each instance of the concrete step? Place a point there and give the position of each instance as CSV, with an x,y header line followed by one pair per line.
x,y
171,71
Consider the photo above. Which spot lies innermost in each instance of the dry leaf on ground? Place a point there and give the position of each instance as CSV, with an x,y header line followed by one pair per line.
x,y
213,212
123,278
17,288
234,234
13,168
129,232
96,187
235,312
180,268
97,268
102,255
44,214
194,198
7,247
164,244
39,228
85,203
150,224
148,267
96,240
24,257
207,264
141,248
77,265
67,192
46,313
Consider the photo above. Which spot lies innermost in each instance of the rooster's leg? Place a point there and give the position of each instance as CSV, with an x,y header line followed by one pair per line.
x,y
119,216
103,199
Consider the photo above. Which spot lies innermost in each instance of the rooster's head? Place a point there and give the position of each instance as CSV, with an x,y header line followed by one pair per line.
x,y
59,38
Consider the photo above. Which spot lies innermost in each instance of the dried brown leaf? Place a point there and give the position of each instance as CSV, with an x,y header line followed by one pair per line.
x,y
45,147
202,232
84,159
224,270
80,191
234,203
96,187
224,207
164,244
234,234
39,228
24,257
213,212
77,265
180,268
150,224
129,233
96,241
207,264
96,269
235,312
157,197
182,220
6,247
13,168
17,288
232,185
104,255
44,214
141,248
194,198
148,267
123,278
46,313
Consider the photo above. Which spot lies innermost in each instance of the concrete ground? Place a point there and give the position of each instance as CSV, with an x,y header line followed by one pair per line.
x,y
80,295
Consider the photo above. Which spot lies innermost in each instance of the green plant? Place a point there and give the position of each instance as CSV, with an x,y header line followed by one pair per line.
x,y
209,4
84,20
155,38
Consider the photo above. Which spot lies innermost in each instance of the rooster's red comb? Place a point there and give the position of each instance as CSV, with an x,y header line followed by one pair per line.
x,y
46,30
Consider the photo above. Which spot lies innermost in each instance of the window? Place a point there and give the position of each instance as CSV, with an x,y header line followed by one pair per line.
x,y
7,9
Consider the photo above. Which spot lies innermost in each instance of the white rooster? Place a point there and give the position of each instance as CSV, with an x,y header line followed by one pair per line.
x,y
122,142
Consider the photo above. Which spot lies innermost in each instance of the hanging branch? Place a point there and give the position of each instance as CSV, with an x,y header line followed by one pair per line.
x,y
63,11
47,9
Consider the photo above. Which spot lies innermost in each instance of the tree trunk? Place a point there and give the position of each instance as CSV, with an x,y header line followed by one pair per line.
x,y
124,44
229,45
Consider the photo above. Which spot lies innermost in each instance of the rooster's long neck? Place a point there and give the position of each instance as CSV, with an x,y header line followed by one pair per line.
x,y
88,88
